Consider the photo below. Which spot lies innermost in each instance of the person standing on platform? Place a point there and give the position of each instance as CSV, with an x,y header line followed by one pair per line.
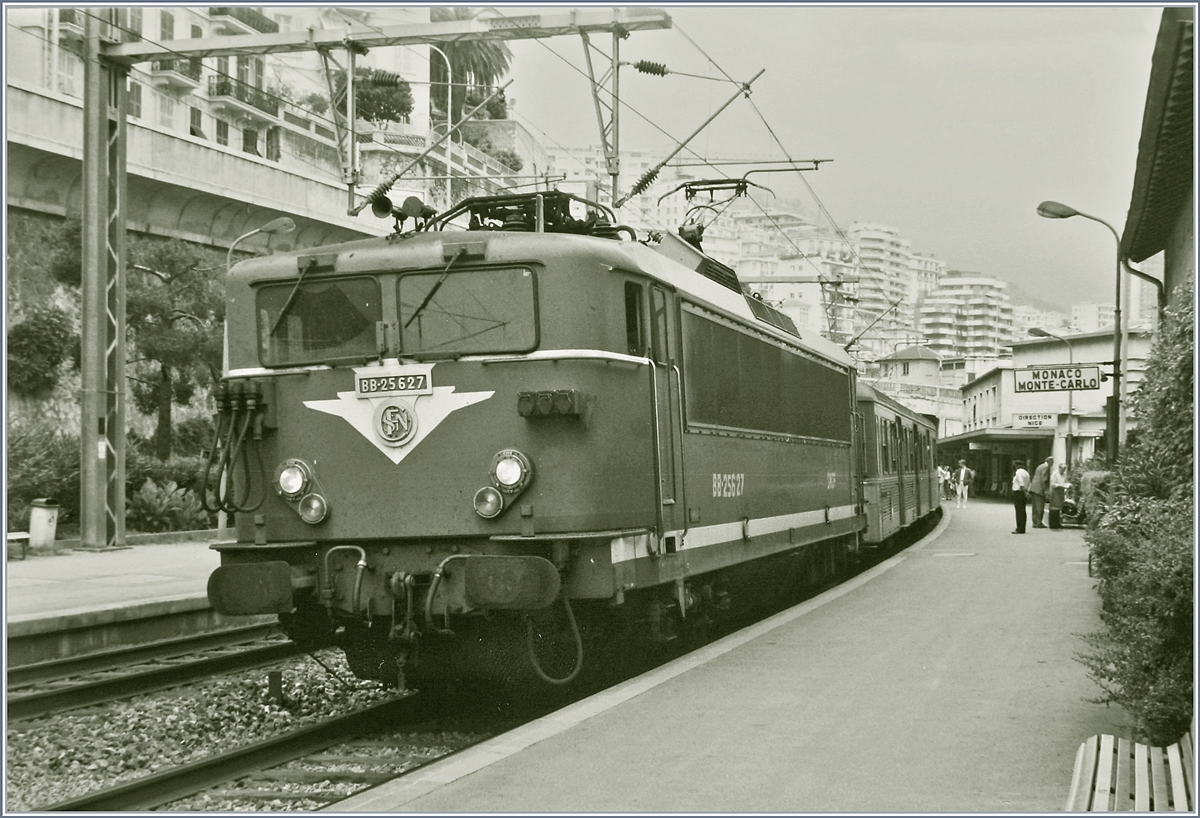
x,y
1058,493
1038,487
962,483
943,475
1020,484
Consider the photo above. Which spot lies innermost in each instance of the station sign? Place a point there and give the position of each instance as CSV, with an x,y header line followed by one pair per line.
x,y
1033,421
1056,378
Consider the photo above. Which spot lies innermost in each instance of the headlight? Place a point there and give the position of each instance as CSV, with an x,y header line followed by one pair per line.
x,y
488,502
511,471
292,478
313,508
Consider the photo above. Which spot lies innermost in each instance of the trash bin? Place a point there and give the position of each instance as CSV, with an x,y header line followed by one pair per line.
x,y
43,520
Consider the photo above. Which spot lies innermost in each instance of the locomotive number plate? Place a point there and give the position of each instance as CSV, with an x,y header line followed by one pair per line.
x,y
372,382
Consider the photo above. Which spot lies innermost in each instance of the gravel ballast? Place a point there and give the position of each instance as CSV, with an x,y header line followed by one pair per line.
x,y
65,755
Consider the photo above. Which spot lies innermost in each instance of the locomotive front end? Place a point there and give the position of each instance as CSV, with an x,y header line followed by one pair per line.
x,y
419,440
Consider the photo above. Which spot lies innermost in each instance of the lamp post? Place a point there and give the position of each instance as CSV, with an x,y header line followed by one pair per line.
x,y
1055,210
1038,332
449,118
281,225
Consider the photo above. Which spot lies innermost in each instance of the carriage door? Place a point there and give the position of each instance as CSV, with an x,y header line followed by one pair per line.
x,y
901,460
919,466
667,389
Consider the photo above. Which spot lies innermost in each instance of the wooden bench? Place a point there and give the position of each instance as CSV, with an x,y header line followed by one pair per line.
x,y
19,539
1116,774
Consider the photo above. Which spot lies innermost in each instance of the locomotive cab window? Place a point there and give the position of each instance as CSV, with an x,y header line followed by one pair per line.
x,y
314,322
467,312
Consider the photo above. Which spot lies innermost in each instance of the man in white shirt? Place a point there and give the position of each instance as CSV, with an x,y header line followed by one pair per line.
x,y
1020,485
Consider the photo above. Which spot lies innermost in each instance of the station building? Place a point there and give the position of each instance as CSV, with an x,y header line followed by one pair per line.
x,y
1021,409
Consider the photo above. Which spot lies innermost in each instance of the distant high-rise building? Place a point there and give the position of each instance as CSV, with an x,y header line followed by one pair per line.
x,y
969,315
1025,317
1091,316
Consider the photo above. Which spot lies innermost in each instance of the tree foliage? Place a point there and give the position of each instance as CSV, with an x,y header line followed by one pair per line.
x,y
37,346
175,313
1142,548
379,96
475,64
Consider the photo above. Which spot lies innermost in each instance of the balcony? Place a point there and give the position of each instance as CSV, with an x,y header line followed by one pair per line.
x,y
70,25
241,20
241,101
182,75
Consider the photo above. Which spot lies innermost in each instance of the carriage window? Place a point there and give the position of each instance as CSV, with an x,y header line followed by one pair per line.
x,y
314,322
467,312
635,333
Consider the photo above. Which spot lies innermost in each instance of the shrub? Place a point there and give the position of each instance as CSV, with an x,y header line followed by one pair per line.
x,y
1142,547
43,461
154,508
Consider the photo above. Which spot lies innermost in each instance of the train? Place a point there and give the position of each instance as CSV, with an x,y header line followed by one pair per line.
x,y
517,438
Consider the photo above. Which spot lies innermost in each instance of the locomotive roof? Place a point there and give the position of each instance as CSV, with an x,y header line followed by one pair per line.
x,y
426,250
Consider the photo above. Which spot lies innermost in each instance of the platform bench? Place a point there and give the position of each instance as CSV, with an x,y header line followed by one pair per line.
x,y
1116,774
20,539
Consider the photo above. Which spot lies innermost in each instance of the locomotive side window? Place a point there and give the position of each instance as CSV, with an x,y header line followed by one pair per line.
x,y
314,322
739,381
467,312
635,330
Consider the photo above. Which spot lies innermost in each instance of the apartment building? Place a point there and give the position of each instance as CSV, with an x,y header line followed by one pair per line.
x,y
968,315
220,145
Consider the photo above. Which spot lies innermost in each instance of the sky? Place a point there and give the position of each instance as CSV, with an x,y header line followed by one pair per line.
x,y
949,123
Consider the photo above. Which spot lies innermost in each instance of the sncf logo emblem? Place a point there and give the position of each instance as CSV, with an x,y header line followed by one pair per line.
x,y
395,422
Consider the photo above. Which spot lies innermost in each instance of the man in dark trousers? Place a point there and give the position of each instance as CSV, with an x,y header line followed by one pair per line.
x,y
1020,484
1038,487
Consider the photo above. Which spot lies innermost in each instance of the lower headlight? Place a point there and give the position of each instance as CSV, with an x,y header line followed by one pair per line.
x,y
488,502
313,508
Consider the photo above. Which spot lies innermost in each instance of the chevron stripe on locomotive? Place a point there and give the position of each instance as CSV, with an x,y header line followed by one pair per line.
x,y
515,440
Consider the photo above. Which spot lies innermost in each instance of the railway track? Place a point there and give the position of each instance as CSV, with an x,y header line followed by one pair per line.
x,y
311,767
47,687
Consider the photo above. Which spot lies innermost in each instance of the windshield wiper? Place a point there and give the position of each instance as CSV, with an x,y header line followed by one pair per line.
x,y
312,262
462,251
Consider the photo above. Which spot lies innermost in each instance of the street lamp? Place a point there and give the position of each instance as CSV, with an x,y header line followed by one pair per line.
x,y
1056,210
281,225
1038,332
449,117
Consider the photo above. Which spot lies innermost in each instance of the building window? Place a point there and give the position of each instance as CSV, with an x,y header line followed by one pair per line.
x,y
250,141
273,152
222,132
133,105
223,66
166,111
194,122
905,367
166,25
197,32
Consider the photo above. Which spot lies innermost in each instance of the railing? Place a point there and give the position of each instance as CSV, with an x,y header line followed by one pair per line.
x,y
190,68
223,85
250,17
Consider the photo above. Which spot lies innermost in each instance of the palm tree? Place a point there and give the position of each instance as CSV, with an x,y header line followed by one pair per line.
x,y
474,63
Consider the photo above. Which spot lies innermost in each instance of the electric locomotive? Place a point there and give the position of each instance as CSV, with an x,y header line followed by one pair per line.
x,y
514,436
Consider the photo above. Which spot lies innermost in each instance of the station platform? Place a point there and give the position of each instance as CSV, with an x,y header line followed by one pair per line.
x,y
942,680
72,589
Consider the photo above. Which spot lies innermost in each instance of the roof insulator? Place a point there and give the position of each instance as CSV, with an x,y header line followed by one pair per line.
x,y
654,68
